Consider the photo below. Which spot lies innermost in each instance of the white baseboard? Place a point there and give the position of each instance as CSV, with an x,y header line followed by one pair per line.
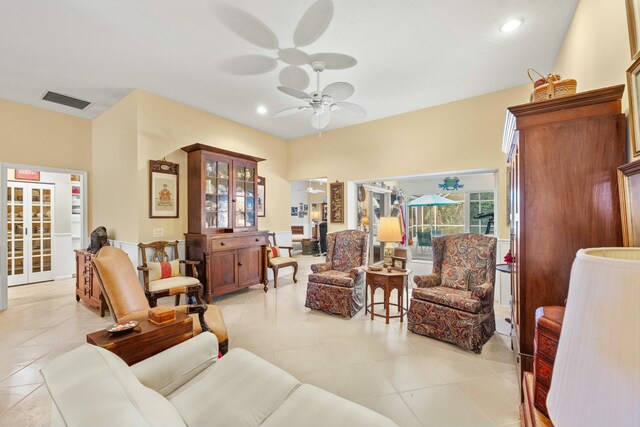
x,y
70,276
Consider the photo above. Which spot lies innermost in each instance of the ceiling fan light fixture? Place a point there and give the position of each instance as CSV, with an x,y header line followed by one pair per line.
x,y
510,25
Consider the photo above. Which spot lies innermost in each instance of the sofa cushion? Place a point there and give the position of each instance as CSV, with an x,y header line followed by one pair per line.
x,y
454,298
332,277
243,390
307,406
107,393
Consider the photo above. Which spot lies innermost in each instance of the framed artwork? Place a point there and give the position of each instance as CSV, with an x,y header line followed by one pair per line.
x,y
633,26
336,190
262,200
163,189
633,81
294,211
629,187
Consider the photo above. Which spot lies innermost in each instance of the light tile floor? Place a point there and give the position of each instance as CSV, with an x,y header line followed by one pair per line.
x,y
412,379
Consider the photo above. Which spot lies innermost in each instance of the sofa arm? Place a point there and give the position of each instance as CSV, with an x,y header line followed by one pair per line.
x,y
319,268
171,369
427,281
481,292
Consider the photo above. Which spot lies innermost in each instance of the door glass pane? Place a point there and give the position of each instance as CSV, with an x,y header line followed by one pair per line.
x,y
18,213
46,263
46,229
35,213
18,252
35,230
18,266
210,204
249,174
35,195
46,246
35,264
9,194
35,247
9,213
210,220
211,168
223,219
240,174
18,195
223,170
46,196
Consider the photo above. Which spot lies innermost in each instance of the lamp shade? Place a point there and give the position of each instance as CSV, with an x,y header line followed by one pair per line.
x,y
389,229
596,374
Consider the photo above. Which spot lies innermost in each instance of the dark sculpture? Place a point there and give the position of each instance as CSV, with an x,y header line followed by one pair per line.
x,y
98,239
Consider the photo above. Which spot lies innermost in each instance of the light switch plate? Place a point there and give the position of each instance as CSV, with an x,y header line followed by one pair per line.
x,y
158,232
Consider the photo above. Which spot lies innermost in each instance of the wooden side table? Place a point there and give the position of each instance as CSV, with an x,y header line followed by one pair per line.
x,y
388,281
146,340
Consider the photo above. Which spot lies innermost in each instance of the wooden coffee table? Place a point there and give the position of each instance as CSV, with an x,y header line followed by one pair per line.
x,y
145,340
388,281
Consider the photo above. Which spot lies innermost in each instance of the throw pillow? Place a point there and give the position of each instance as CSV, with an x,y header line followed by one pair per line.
x,y
273,252
163,270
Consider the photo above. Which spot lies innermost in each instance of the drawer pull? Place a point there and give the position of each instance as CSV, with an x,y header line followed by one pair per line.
x,y
240,264
257,240
221,243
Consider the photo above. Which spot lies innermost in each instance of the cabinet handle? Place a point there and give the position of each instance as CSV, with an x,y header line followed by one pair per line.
x,y
221,243
240,264
257,240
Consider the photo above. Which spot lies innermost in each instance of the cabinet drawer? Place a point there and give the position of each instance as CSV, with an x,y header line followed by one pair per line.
x,y
547,345
225,243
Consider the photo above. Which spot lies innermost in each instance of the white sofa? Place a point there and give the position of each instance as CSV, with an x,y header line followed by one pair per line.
x,y
188,386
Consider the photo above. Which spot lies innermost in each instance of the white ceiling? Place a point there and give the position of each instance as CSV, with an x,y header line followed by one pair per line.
x,y
411,54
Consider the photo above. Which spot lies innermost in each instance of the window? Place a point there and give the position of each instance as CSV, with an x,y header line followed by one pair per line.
x,y
480,203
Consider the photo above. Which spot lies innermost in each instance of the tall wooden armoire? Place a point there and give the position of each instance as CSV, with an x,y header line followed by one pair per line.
x,y
563,154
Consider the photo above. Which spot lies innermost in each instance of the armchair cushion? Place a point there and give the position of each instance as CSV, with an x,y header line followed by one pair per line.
x,y
123,400
163,270
455,277
172,282
333,277
454,298
167,371
319,268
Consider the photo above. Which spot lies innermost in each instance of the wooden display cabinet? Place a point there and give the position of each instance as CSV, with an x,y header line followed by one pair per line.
x,y
223,220
563,157
87,288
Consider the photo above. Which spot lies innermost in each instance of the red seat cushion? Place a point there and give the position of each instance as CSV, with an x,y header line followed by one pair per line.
x,y
454,298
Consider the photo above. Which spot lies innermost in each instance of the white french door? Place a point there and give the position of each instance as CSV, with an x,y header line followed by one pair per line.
x,y
29,232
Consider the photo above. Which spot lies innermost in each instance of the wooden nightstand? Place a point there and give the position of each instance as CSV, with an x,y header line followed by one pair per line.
x,y
146,340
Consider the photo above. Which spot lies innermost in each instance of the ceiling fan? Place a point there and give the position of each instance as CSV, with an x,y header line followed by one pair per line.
x,y
311,190
323,103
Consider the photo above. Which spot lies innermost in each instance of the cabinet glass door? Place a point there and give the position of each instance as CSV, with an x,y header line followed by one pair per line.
x,y
15,234
216,193
41,232
245,184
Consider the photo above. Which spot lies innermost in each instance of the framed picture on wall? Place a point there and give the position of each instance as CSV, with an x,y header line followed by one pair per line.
x,y
633,26
633,81
337,201
262,200
629,187
163,189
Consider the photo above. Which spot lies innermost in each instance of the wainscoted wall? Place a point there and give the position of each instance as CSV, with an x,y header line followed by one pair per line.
x,y
63,260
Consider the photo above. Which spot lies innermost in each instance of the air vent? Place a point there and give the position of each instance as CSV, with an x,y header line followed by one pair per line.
x,y
68,101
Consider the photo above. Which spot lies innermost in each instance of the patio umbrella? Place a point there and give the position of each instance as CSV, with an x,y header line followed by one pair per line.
x,y
432,200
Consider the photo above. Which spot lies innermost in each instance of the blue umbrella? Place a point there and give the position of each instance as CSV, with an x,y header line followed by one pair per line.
x,y
432,200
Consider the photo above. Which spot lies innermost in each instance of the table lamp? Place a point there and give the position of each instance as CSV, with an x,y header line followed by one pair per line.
x,y
596,374
389,233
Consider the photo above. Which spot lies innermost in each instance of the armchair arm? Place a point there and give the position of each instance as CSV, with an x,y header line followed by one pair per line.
x,y
193,265
198,309
289,248
427,281
143,268
169,370
357,271
145,276
319,268
481,292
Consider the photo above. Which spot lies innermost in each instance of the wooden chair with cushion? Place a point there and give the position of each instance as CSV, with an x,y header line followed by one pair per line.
x,y
126,300
455,303
276,259
161,271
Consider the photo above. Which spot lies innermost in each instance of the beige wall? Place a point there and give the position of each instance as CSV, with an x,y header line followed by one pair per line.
x,y
164,126
463,135
115,178
595,51
34,136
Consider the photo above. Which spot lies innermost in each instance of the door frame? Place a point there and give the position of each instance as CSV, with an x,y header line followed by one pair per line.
x,y
4,168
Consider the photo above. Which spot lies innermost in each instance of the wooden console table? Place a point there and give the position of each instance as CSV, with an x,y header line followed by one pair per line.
x,y
398,280
146,340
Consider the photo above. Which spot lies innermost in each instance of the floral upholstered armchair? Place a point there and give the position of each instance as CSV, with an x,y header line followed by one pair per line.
x,y
337,286
455,303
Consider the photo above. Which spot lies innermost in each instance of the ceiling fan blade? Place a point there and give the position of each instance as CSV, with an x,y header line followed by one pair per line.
x,y
313,23
296,93
290,111
320,120
295,77
249,65
334,61
245,25
293,56
339,91
350,109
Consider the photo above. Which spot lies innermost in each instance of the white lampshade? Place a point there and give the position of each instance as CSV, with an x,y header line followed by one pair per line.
x,y
596,374
389,229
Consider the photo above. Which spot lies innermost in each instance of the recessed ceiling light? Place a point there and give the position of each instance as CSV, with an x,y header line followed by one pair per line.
x,y
510,25
262,110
